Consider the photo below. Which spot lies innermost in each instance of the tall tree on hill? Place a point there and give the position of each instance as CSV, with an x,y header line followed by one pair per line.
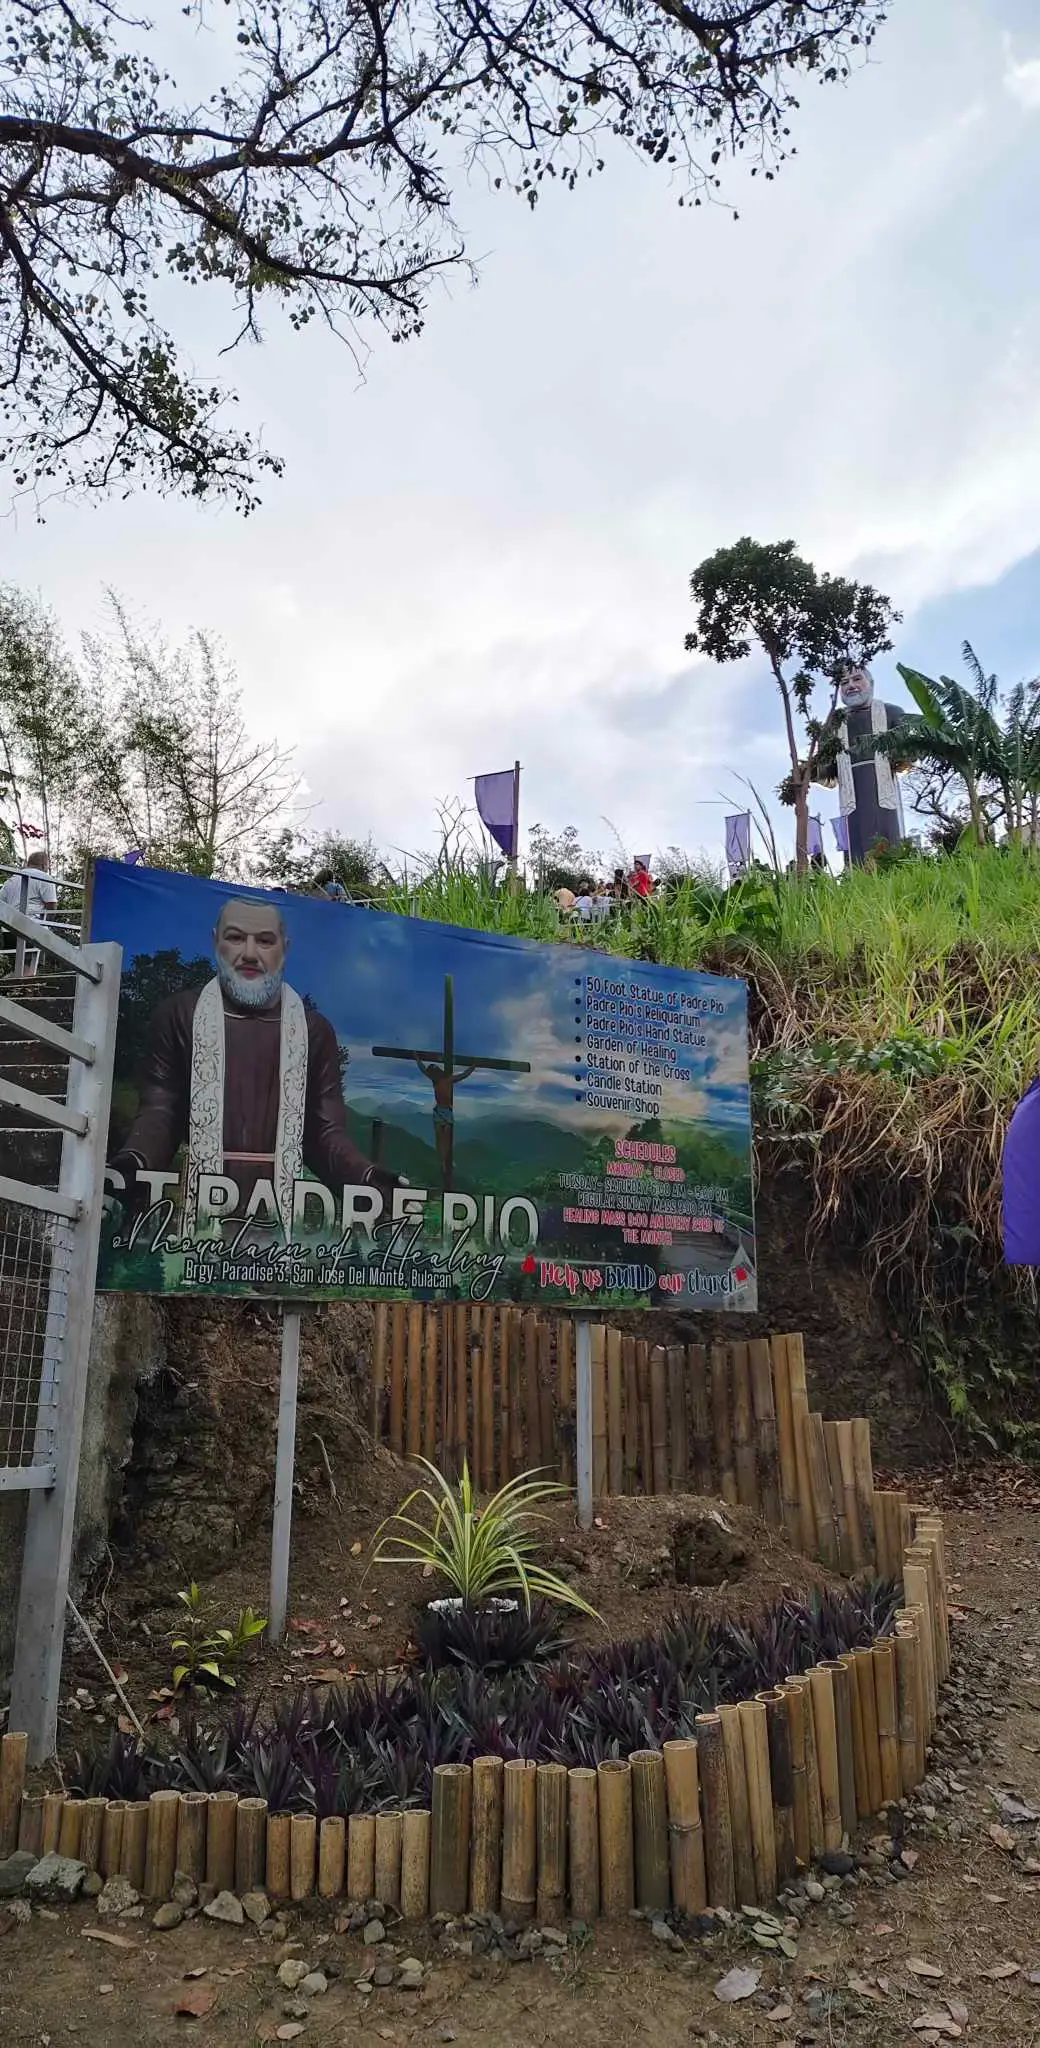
x,y
810,627
46,735
316,176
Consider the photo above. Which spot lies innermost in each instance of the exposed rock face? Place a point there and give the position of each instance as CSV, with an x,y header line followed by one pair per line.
x,y
705,1553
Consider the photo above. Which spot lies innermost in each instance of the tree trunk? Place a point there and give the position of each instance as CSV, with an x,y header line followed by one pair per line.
x,y
977,820
801,826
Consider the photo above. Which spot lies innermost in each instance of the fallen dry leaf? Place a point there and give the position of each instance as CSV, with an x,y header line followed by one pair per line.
x,y
738,1983
998,1970
937,2023
864,1988
1002,1838
196,2001
105,1934
782,2011
919,1968
957,2012
883,1927
909,1859
356,1549
290,2031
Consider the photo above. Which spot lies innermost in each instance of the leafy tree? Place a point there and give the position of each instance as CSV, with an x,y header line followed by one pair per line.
x,y
958,738
559,860
47,735
175,769
296,860
810,629
316,178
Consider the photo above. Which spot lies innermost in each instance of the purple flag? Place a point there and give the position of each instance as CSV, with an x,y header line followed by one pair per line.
x,y
815,845
1022,1183
496,808
738,842
134,857
840,829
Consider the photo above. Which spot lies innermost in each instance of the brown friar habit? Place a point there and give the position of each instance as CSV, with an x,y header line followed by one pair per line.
x,y
251,1085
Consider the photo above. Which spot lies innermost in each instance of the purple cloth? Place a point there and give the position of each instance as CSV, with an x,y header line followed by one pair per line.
x,y
738,842
496,798
840,829
1022,1183
133,858
815,844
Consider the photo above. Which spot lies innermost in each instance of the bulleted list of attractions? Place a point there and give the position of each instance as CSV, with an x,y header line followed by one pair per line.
x,y
316,1100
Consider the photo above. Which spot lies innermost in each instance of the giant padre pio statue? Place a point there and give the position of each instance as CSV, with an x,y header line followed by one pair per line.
x,y
868,792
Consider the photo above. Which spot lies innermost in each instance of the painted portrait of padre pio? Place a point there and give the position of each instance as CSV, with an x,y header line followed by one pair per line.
x,y
246,1076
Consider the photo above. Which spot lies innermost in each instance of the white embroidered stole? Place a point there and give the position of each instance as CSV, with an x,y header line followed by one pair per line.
x,y
887,788
206,1104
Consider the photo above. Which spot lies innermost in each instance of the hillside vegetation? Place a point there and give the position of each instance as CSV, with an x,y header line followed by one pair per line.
x,y
895,1019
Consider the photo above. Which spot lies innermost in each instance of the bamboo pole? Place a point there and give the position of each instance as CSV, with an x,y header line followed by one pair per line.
x,y
459,1409
52,1805
915,1619
476,1389
303,1833
863,1666
30,1824
918,1593
397,1350
628,1368
516,1420
796,1692
279,1856
361,1856
380,1354
722,1425
532,1404
191,1836
92,1833
552,1843
847,1463
616,1851
884,1655
841,1678
71,1828
799,1412
888,1515
677,1432
827,1539
221,1816
415,1863
743,1428
659,1419
160,1861
112,1836
908,1693
550,1454
685,1833
832,1452
699,1407
930,1535
250,1845
650,1830
754,1728
863,1480
600,1466
332,1856
583,1834
923,1555
745,1882
431,1406
14,1757
449,1838
781,1774
718,1830
519,1839
487,1400
812,1775
825,1729
134,1843
764,1412
486,1849
389,1829
790,1503
501,1317
646,1433
565,1396
859,1739
615,1409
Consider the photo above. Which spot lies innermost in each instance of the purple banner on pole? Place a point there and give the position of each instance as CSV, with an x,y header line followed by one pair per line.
x,y
840,829
738,842
815,843
496,806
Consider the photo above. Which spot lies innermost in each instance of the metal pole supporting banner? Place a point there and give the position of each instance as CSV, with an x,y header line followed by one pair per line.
x,y
285,1459
583,1366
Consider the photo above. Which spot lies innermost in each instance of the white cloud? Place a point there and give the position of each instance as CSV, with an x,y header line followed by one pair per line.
x,y
1022,80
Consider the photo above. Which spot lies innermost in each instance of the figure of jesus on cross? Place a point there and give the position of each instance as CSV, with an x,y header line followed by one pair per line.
x,y
444,1068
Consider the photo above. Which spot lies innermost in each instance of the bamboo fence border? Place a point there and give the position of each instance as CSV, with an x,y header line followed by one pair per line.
x,y
765,1788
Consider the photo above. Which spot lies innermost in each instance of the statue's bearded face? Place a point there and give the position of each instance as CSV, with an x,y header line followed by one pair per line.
x,y
857,688
250,946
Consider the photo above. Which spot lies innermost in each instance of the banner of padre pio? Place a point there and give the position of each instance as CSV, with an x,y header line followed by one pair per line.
x,y
245,1075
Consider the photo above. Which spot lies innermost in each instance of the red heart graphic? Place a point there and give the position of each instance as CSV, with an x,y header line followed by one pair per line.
x,y
528,1265
741,1273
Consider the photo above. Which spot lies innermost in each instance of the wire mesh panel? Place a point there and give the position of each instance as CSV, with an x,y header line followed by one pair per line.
x,y
35,1257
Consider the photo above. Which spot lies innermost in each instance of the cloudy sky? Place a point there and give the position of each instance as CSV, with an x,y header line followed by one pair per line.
x,y
482,549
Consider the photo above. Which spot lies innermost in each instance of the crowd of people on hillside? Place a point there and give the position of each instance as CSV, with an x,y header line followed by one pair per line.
x,y
594,901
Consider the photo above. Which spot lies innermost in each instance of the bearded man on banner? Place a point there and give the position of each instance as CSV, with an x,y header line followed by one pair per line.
x,y
246,1075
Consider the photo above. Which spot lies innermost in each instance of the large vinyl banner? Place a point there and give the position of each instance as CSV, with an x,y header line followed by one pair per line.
x,y
316,1100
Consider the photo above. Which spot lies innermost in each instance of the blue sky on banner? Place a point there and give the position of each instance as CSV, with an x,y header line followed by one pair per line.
x,y
482,548
380,981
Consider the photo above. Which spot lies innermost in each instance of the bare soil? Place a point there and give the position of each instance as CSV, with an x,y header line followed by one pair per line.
x,y
969,1909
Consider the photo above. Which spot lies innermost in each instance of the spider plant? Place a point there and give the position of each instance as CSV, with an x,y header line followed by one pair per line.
x,y
482,1553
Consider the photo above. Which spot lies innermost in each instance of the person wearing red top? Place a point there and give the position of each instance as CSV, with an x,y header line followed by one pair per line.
x,y
641,881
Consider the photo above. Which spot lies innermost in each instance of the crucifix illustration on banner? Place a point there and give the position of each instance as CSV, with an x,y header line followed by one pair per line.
x,y
445,1068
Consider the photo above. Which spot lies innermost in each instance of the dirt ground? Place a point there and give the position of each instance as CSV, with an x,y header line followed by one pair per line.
x,y
969,1911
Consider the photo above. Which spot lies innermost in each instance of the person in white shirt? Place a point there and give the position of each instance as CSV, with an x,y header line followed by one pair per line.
x,y
40,896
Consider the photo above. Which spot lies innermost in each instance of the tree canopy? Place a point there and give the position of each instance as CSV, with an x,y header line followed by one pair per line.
x,y
317,176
